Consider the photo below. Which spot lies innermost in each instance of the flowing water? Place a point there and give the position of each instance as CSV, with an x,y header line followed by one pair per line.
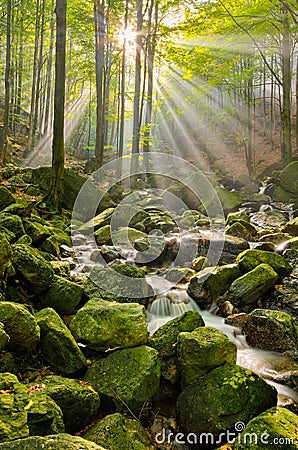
x,y
272,366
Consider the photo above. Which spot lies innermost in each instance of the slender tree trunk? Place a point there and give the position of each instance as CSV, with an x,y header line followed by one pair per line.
x,y
20,69
99,58
34,78
286,145
296,96
47,114
56,188
136,103
7,85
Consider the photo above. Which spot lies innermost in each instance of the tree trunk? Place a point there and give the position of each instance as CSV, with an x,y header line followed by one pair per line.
x,y
136,103
99,58
56,188
49,75
7,85
286,144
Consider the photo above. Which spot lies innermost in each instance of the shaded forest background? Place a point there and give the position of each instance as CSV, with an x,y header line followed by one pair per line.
x,y
212,81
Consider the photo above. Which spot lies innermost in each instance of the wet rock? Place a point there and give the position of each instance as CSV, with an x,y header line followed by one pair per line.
x,y
269,219
50,245
123,283
102,324
179,275
223,397
52,442
21,327
236,217
229,200
58,345
277,425
4,338
164,340
201,351
31,266
275,238
224,247
128,377
271,330
237,320
159,220
36,231
6,197
109,253
103,235
117,432
43,415
97,222
251,286
291,227
12,223
61,236
250,259
63,295
210,283
78,401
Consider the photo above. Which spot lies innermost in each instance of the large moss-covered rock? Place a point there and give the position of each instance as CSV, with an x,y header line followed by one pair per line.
x,y
249,259
229,200
236,217
103,235
63,295
241,229
117,432
271,330
207,285
252,285
288,178
219,399
201,351
32,268
43,415
61,236
4,338
13,416
61,268
127,377
278,425
53,442
50,245
123,283
5,256
21,327
97,222
6,197
102,324
72,184
164,340
58,345
36,231
12,223
78,401
291,227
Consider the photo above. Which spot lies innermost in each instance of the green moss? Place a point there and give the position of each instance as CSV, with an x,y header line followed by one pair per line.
x,y
12,223
63,296
250,259
52,442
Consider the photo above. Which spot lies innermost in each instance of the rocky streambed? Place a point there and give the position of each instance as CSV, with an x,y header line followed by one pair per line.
x,y
78,368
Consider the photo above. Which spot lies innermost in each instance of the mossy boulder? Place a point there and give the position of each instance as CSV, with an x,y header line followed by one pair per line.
x,y
291,227
271,330
4,338
60,235
164,340
179,274
78,401
201,351
128,377
53,442
123,283
199,263
32,268
58,345
288,178
97,222
12,223
36,231
61,268
241,229
6,197
50,245
210,283
7,363
222,397
103,235
117,432
102,324
278,425
43,415
20,326
229,200
250,259
63,295
251,286
5,256
236,217
13,416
